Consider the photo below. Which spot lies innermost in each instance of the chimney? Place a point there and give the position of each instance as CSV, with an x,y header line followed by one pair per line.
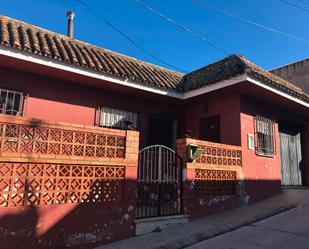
x,y
70,16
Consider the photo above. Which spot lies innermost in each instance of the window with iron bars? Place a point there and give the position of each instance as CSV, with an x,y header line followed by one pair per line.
x,y
264,136
11,102
115,118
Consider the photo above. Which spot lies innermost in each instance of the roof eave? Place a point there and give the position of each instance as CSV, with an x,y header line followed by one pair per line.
x,y
45,61
277,91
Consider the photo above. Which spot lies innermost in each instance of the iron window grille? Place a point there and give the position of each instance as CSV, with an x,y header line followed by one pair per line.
x,y
115,118
11,102
264,136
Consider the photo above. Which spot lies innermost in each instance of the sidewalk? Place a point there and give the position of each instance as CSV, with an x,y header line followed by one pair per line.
x,y
184,235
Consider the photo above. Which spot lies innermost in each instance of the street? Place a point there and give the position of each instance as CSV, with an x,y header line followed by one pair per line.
x,y
288,230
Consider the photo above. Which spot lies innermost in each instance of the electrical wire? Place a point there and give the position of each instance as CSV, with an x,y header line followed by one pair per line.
x,y
295,5
183,28
303,1
83,4
208,6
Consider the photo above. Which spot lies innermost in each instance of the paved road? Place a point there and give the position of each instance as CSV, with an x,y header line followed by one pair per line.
x,y
289,230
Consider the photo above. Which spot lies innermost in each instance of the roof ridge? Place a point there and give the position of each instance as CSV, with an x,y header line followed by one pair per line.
x,y
234,65
291,84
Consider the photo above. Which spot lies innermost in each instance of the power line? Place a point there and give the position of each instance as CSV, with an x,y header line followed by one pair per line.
x,y
303,1
295,5
183,28
129,38
208,6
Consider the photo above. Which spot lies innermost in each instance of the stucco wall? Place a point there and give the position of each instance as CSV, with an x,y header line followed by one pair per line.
x,y
261,169
297,73
261,174
56,100
227,107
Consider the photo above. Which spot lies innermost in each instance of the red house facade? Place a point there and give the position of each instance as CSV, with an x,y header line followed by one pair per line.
x,y
94,143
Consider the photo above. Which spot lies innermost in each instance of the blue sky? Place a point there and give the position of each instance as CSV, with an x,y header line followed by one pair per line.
x,y
172,45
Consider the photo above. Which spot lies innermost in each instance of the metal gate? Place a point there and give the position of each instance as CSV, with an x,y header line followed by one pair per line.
x,y
159,182
291,158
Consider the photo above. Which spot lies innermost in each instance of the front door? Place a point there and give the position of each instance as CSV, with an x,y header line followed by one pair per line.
x,y
161,131
292,170
210,129
159,182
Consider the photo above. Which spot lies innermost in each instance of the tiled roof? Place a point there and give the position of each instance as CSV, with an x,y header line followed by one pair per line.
x,y
23,36
32,39
233,66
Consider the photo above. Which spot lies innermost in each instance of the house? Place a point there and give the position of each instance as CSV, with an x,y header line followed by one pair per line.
x,y
94,144
297,72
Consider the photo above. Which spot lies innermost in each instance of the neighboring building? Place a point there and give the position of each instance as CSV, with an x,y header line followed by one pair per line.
x,y
93,142
297,73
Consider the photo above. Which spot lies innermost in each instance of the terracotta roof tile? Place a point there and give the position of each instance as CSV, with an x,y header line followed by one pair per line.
x,y
20,35
24,38
4,33
232,66
32,39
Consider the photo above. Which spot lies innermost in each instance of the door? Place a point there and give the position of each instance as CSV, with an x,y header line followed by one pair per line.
x,y
292,170
210,129
159,182
162,131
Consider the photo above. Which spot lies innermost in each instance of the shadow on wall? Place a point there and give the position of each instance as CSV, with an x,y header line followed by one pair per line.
x,y
202,198
87,224
23,236
103,216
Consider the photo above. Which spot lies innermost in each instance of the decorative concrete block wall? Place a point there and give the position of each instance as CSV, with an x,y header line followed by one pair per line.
x,y
65,185
212,182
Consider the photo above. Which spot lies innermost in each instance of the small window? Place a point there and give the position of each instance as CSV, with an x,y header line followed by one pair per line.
x,y
250,138
115,118
11,102
264,136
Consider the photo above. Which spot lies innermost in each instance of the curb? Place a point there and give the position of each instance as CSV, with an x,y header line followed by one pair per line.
x,y
199,237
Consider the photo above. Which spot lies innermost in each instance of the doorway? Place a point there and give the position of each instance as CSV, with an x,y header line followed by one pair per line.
x,y
292,165
210,129
159,182
162,131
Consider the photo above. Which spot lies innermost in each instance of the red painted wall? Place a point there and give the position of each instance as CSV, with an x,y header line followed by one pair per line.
x,y
67,225
80,225
56,100
61,111
228,107
262,174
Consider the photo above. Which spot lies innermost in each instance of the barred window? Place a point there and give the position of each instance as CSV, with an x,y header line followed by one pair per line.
x,y
115,118
11,102
264,136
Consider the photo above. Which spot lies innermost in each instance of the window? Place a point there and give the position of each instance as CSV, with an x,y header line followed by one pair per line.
x,y
264,133
11,102
115,118
250,139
